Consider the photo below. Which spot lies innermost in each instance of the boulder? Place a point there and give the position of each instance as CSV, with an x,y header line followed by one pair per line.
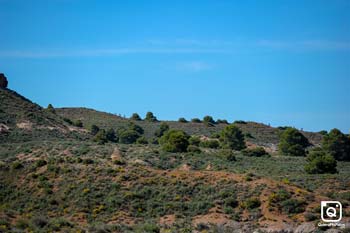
x,y
3,81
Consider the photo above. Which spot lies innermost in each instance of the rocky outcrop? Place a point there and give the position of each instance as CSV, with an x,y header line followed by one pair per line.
x,y
3,81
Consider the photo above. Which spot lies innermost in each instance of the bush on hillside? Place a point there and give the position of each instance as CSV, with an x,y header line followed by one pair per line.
x,y
194,140
101,137
193,149
50,108
162,129
17,165
111,135
229,155
293,143
150,117
320,162
251,203
254,152
69,121
292,206
174,141
222,121
142,140
78,123
135,117
240,122
138,129
214,144
337,144
182,120
154,141
279,196
323,132
196,120
231,137
40,163
208,120
128,136
94,129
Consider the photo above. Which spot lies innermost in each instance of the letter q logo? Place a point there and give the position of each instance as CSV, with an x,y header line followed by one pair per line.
x,y
331,211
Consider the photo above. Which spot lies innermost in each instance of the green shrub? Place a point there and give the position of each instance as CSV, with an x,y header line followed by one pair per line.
x,y
174,141
231,137
147,228
228,154
138,129
99,227
101,137
150,117
210,144
323,132
337,144
231,202
320,162
94,129
222,121
135,117
208,120
142,140
162,129
293,206
78,123
196,120
310,216
251,203
111,136
88,161
4,224
128,136
40,163
22,223
51,109
58,223
69,121
193,149
279,196
39,221
182,120
154,141
240,122
254,152
292,143
17,165
194,140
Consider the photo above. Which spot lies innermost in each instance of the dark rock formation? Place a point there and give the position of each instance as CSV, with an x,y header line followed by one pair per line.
x,y
3,81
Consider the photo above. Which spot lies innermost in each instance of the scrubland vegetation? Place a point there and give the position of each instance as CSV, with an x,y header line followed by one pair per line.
x,y
79,170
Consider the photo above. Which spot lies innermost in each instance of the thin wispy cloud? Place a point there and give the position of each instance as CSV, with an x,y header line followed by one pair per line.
x,y
186,46
194,66
190,42
320,45
105,52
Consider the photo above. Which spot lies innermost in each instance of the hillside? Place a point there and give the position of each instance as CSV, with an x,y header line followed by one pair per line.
x,y
23,120
67,186
256,133
55,178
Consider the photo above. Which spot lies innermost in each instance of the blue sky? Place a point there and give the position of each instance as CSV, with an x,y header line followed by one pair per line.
x,y
277,62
